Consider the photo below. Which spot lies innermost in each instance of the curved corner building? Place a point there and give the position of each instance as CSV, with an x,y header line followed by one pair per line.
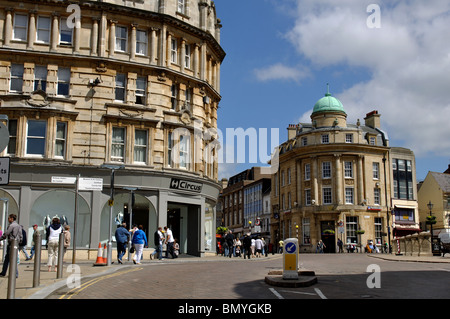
x,y
338,180
121,96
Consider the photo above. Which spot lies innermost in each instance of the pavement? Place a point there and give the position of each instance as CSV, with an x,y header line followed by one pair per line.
x,y
49,282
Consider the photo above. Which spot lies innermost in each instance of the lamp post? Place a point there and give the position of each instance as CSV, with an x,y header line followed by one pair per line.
x,y
431,221
111,204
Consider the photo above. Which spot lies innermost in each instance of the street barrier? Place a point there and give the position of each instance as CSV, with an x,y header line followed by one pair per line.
x,y
100,260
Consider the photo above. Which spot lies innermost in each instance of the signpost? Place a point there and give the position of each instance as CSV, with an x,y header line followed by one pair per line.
x,y
290,259
4,170
84,184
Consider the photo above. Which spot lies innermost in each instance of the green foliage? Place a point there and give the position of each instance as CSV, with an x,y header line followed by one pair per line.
x,y
221,230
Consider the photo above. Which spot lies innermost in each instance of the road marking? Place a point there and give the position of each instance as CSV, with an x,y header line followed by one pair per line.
x,y
77,290
276,293
317,290
299,292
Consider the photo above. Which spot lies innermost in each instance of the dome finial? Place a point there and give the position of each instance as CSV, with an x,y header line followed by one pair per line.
x,y
328,90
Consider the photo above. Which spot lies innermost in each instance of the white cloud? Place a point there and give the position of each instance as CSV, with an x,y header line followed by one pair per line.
x,y
408,59
281,72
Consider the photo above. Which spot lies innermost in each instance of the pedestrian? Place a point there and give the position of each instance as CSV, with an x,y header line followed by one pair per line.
x,y
258,247
139,242
225,248
340,245
170,242
281,245
253,247
265,247
52,237
176,247
230,242
247,246
67,239
238,247
23,248
320,247
33,244
158,238
122,236
13,232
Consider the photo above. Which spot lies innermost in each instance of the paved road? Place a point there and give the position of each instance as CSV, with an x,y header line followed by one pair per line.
x,y
340,276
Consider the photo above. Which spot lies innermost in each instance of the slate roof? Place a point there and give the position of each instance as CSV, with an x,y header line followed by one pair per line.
x,y
443,180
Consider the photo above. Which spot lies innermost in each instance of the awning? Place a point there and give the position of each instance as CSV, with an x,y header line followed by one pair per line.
x,y
405,207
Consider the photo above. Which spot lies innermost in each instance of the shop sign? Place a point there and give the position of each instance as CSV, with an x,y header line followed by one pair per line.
x,y
180,184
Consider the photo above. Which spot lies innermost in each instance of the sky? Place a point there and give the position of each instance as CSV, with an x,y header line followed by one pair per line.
x,y
390,56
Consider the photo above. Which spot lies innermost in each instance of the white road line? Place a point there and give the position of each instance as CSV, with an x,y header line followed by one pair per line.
x,y
299,292
276,293
320,293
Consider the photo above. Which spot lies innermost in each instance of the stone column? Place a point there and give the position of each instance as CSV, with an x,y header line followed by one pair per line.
x,y
338,178
182,54
196,60
8,27
314,179
360,180
31,30
133,42
112,38
154,46
77,40
94,38
55,32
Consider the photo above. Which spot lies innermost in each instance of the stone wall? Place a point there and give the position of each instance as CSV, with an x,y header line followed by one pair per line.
x,y
418,244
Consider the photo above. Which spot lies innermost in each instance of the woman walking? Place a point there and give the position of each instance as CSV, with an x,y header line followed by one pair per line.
x,y
139,241
53,232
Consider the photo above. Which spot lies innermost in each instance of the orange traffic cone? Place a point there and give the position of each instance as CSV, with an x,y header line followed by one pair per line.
x,y
99,261
105,254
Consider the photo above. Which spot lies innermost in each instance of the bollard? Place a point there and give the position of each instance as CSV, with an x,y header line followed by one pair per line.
x,y
290,259
60,255
13,255
37,261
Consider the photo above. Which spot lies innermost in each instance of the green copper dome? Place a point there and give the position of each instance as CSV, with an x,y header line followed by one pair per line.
x,y
328,104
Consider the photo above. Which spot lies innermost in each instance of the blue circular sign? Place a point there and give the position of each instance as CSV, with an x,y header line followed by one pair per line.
x,y
290,248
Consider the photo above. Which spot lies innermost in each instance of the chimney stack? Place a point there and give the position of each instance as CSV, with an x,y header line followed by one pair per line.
x,y
372,119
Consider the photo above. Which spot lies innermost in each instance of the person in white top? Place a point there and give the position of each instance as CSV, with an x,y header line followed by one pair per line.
x,y
53,232
169,242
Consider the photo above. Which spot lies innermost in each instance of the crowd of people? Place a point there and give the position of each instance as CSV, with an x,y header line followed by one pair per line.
x,y
16,232
248,247
139,242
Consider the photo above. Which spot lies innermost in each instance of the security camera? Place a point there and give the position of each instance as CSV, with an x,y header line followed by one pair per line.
x,y
94,82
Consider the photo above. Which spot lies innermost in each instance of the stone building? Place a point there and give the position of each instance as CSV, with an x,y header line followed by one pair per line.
x,y
122,91
334,181
435,189
242,201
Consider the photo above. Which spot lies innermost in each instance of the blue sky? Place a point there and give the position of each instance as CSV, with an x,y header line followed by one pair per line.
x,y
281,54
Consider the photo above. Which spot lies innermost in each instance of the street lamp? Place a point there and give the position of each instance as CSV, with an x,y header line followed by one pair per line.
x,y
431,221
111,204
250,225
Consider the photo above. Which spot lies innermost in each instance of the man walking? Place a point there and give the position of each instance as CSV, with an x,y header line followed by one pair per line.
x,y
122,235
230,242
14,232
170,242
159,237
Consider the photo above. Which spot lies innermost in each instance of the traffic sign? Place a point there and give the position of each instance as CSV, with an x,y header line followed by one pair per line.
x,y
90,184
63,180
4,170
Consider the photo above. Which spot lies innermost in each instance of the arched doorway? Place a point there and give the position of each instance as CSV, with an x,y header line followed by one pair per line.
x,y
8,206
61,203
142,213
